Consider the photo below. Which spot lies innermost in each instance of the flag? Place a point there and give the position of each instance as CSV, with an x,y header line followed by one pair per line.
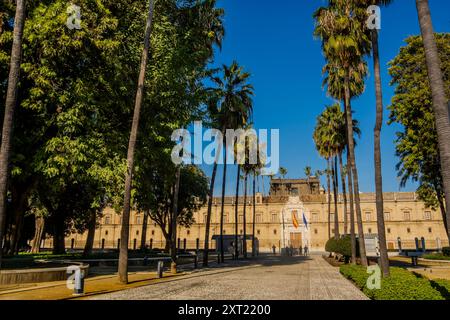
x,y
294,219
305,222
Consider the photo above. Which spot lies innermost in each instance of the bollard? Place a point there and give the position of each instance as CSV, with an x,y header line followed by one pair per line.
x,y
160,268
416,240
424,249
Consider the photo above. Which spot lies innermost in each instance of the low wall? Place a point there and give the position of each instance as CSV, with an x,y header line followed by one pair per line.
x,y
8,277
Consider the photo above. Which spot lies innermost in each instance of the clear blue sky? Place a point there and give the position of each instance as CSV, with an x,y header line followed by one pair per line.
x,y
273,40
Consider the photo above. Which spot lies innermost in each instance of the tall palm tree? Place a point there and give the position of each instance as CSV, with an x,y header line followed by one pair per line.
x,y
344,43
440,101
125,231
11,101
234,108
308,173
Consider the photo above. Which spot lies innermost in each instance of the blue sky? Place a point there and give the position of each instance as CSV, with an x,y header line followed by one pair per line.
x,y
273,40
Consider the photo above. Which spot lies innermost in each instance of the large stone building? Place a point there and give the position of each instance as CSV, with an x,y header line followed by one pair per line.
x,y
294,213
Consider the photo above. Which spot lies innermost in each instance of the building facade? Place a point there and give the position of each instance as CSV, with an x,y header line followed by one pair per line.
x,y
294,213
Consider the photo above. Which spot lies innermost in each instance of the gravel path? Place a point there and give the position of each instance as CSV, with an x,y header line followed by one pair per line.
x,y
270,278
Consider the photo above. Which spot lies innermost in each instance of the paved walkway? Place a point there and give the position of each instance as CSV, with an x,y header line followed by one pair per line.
x,y
271,278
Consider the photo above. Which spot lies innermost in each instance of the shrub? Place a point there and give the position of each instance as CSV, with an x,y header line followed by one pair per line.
x,y
401,285
446,251
436,256
331,245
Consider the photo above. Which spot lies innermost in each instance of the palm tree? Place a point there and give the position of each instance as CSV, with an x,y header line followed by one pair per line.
x,y
236,207
308,173
440,101
233,107
125,231
344,43
11,101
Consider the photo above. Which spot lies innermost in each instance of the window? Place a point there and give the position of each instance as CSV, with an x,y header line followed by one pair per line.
x,y
138,219
407,215
137,232
315,231
274,217
258,218
387,216
427,215
224,231
315,217
294,191
188,232
153,232
106,232
430,230
408,230
241,232
225,218
241,218
205,218
368,216
370,230
258,232
274,231
388,230
332,217
108,219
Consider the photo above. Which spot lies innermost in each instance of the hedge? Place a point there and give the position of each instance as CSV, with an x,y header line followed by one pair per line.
x,y
342,246
400,285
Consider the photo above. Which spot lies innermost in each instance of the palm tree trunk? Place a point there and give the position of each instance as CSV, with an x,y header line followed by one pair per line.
x,y
10,103
254,217
440,101
144,230
208,215
352,212
173,242
329,198
125,231
335,193
351,149
91,234
384,259
344,193
222,254
236,250
244,244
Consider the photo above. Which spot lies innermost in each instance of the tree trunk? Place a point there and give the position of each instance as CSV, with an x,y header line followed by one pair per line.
x,y
173,247
329,198
254,217
125,232
335,186
19,202
59,232
352,212
10,104
91,234
351,152
144,230
244,243
384,259
444,214
208,214
440,101
344,193
222,256
38,234
236,206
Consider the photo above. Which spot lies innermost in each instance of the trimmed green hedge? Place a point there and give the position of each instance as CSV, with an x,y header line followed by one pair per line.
x,y
435,256
342,246
401,285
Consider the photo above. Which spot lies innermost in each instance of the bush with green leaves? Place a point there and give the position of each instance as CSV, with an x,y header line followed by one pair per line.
x,y
400,285
341,246
443,286
331,245
446,251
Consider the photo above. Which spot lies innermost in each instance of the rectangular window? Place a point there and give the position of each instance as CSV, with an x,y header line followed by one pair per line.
x,y
332,217
387,216
315,217
368,216
407,215
241,218
427,215
258,218
108,219
274,217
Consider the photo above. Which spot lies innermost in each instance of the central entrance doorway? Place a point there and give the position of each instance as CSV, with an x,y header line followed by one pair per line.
x,y
295,239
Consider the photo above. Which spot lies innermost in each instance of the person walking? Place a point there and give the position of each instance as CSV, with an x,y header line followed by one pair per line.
x,y
305,250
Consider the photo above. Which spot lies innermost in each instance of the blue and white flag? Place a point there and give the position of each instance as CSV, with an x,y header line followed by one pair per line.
x,y
305,222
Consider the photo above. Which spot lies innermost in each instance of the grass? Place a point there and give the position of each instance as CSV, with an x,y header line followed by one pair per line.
x,y
400,285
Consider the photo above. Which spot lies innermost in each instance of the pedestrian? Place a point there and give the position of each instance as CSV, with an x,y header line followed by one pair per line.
x,y
306,250
274,249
